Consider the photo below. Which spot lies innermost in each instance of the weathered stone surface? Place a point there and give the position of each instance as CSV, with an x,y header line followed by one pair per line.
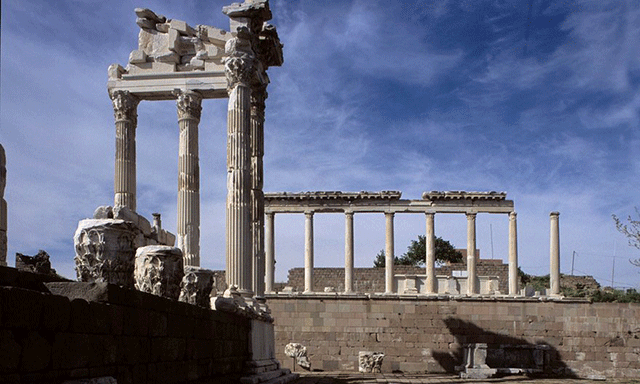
x,y
159,270
38,264
105,251
370,361
97,380
196,286
299,352
103,212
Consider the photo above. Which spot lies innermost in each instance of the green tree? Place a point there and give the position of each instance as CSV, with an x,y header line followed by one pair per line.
x,y
632,231
416,253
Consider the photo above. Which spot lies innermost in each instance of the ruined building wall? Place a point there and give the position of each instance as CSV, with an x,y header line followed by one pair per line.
x,y
368,280
599,339
103,330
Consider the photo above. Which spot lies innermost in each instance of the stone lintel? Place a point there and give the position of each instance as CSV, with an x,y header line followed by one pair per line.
x,y
463,195
161,86
377,202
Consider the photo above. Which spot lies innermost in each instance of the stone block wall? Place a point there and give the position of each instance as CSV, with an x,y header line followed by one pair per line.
x,y
369,280
92,330
427,335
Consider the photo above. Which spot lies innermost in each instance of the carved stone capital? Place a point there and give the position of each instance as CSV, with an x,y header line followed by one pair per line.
x,y
239,64
197,286
159,270
125,106
189,105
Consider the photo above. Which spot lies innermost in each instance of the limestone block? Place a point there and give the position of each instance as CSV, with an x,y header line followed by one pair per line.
x,y
146,13
196,63
137,56
173,40
159,270
126,214
214,35
146,23
299,352
369,362
213,65
103,212
105,251
182,27
115,71
196,286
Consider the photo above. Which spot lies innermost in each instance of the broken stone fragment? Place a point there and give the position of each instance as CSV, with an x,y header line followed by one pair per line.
x,y
299,352
103,212
146,23
196,286
137,56
182,27
146,13
369,362
159,270
115,71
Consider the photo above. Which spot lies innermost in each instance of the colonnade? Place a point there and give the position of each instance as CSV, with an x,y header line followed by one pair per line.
x,y
431,282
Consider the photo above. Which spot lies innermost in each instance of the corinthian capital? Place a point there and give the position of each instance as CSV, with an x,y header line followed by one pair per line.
x,y
125,106
189,105
239,63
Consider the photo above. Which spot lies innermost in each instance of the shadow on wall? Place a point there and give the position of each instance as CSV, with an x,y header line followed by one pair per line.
x,y
503,351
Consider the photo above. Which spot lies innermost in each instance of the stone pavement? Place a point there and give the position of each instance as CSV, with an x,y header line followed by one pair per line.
x,y
393,378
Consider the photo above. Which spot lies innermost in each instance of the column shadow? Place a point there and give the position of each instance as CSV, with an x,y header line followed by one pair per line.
x,y
499,355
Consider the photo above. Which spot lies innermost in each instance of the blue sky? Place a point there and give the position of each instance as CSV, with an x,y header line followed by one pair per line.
x,y
536,98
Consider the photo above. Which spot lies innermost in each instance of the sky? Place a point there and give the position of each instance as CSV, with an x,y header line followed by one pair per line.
x,y
536,98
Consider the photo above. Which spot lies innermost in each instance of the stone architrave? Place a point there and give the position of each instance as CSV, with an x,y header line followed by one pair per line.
x,y
299,352
159,270
196,286
3,208
370,362
105,251
125,106
188,215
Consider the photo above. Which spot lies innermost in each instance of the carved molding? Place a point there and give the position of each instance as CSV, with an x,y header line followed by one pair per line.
x,y
189,105
125,106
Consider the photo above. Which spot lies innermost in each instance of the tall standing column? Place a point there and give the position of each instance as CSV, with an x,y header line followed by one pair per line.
x,y
513,254
258,96
308,252
270,252
430,245
239,68
554,252
388,253
188,215
125,107
3,208
348,252
472,278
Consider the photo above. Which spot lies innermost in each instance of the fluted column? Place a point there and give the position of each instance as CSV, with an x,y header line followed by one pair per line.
x,y
258,96
308,252
125,106
430,245
270,252
513,254
554,253
471,254
239,70
348,252
188,215
388,253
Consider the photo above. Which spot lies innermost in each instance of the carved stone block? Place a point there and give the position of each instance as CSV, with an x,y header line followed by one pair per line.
x,y
299,352
105,251
159,270
369,362
196,286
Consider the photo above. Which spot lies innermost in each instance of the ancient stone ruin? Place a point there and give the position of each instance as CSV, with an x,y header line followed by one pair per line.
x,y
3,208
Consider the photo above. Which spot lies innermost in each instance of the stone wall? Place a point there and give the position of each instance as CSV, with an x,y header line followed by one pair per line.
x,y
418,335
95,329
369,280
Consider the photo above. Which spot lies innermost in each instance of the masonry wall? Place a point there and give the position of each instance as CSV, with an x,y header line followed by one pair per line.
x,y
427,335
369,280
133,336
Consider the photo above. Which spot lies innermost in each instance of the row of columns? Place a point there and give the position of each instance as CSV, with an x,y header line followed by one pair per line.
x,y
188,213
431,282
